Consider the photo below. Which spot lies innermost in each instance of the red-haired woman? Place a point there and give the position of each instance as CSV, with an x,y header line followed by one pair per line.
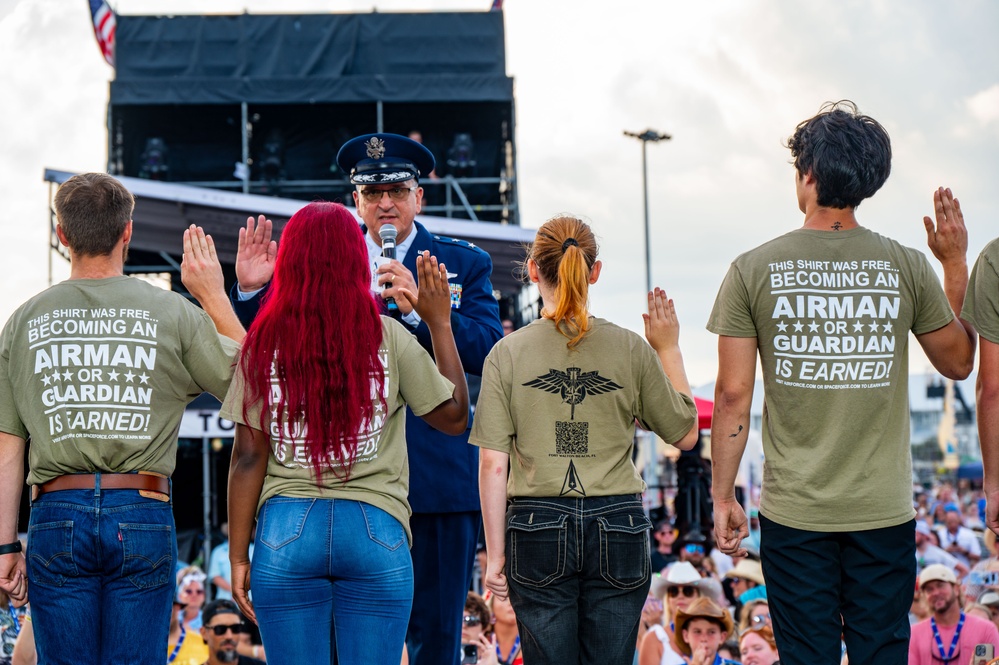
x,y
319,400
560,398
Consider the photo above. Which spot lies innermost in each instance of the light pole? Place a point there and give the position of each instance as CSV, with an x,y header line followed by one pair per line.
x,y
645,137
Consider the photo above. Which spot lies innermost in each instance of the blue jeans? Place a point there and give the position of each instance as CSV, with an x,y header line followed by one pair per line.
x,y
330,575
579,573
100,574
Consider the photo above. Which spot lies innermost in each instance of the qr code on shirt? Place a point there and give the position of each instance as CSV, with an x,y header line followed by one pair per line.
x,y
571,438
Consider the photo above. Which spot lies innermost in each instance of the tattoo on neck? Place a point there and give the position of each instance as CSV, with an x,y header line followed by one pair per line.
x,y
837,226
732,436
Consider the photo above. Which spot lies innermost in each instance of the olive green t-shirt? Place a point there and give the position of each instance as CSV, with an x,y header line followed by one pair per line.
x,y
567,417
831,313
98,371
981,304
380,474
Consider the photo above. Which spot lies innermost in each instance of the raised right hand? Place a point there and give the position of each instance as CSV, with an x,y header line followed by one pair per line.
x,y
662,328
256,254
433,301
948,238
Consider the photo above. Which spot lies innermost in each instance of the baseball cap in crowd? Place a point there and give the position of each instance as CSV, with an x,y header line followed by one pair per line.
x,y
747,569
989,599
923,528
217,607
936,572
681,573
702,608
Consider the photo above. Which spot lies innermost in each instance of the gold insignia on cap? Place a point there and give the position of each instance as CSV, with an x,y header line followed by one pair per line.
x,y
376,147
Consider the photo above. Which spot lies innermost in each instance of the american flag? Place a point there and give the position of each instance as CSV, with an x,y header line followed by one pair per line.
x,y
104,27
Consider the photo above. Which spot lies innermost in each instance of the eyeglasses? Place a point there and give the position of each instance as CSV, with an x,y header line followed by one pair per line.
x,y
221,628
396,194
688,591
471,621
195,592
694,549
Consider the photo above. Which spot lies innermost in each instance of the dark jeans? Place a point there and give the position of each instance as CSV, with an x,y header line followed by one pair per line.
x,y
100,573
579,572
814,578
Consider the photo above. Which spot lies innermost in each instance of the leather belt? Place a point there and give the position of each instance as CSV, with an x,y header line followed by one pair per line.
x,y
109,481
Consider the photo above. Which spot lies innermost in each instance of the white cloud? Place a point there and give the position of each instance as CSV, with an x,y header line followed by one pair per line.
x,y
984,105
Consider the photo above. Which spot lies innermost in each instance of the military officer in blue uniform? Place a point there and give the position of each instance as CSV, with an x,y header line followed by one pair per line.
x,y
443,491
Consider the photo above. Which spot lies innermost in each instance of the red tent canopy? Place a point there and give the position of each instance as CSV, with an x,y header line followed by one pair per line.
x,y
704,410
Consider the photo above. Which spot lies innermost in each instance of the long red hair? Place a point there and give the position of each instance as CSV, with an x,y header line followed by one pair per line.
x,y
319,328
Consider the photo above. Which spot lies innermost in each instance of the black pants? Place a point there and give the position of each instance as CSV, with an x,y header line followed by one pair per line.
x,y
821,585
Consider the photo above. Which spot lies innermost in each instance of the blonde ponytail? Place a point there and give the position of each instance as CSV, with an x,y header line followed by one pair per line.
x,y
565,251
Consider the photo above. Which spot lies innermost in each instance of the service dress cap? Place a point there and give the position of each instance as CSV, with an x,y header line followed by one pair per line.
x,y
376,159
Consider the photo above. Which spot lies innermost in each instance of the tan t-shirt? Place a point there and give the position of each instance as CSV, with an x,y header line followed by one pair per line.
x,y
380,474
98,372
831,312
567,418
981,304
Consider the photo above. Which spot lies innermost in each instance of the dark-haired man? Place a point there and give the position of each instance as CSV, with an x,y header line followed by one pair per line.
x,y
97,371
443,470
221,626
829,307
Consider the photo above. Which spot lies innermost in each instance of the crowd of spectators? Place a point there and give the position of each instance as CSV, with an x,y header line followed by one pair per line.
x,y
703,608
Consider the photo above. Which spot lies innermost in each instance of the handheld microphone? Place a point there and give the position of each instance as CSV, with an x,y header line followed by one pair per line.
x,y
388,235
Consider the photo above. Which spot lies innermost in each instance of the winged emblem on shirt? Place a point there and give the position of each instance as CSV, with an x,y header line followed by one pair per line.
x,y
573,385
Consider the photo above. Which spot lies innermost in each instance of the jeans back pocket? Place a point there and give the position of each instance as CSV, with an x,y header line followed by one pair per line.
x,y
382,527
50,553
536,546
147,560
624,549
282,519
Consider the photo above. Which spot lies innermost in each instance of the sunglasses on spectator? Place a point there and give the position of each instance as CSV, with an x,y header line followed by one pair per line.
x,y
688,591
221,629
694,549
195,592
471,621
